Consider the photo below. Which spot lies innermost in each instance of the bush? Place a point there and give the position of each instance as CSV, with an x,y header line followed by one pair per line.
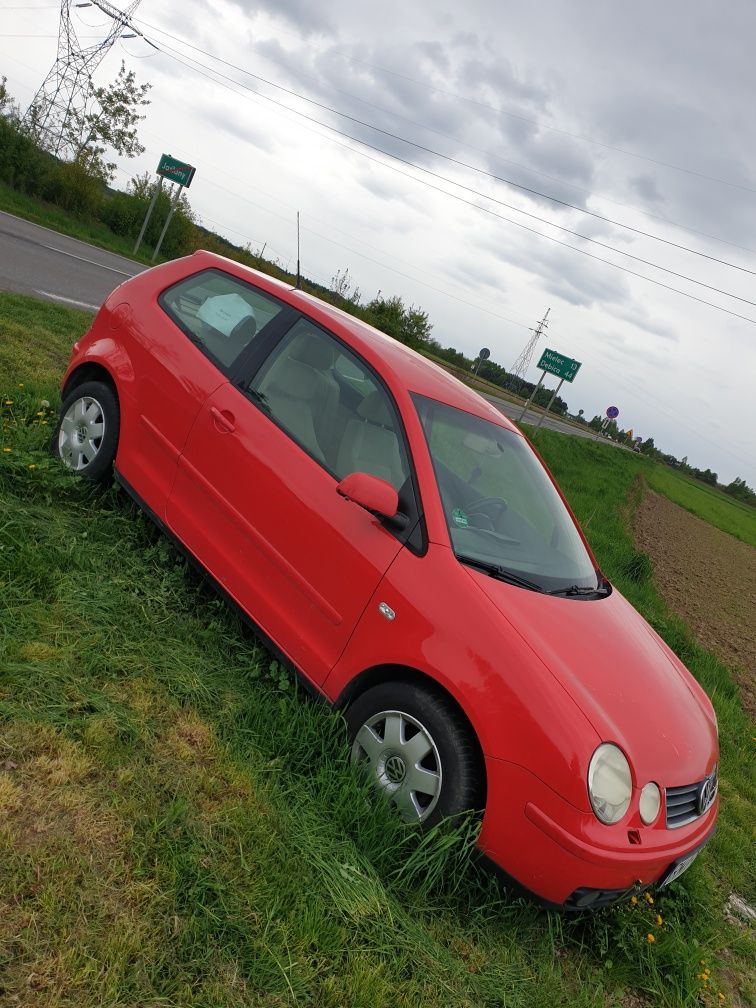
x,y
71,187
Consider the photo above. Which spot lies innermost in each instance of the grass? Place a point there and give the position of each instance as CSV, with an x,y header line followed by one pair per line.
x,y
179,825
707,503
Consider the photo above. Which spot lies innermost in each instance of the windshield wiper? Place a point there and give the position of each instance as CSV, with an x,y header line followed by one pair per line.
x,y
500,573
571,590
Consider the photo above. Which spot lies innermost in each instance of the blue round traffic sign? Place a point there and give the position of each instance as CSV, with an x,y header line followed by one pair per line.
x,y
612,412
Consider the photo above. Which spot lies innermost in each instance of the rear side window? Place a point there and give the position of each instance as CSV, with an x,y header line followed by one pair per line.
x,y
219,313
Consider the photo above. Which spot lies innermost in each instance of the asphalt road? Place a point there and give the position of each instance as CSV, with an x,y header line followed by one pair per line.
x,y
35,260
43,263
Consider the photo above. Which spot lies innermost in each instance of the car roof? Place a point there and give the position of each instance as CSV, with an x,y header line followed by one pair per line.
x,y
409,368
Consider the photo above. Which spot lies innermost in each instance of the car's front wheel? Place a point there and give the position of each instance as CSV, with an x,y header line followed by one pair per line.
x,y
86,437
417,748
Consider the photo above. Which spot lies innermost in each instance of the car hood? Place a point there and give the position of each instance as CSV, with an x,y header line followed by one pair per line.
x,y
628,683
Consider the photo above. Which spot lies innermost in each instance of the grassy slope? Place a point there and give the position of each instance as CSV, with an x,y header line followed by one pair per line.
x,y
177,826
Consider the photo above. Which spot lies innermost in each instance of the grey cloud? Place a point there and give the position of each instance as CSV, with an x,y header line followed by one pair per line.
x,y
496,80
638,316
646,187
241,127
307,17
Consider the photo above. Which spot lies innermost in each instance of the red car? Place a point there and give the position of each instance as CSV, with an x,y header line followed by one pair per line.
x,y
396,540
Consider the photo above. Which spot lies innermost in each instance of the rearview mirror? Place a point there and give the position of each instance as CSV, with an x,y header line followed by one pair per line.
x,y
371,493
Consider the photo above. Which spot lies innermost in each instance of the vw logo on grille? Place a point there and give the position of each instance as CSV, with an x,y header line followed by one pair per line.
x,y
395,769
708,792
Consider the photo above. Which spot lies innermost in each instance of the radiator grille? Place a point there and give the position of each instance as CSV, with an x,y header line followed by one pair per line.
x,y
688,802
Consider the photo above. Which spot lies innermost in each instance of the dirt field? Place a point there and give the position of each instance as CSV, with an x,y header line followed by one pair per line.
x,y
709,579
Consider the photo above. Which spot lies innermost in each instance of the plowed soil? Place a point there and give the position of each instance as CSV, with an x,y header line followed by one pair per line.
x,y
709,579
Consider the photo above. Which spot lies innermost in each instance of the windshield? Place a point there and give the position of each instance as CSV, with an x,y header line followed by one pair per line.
x,y
501,508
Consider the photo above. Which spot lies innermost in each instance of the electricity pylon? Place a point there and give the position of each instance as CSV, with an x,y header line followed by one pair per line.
x,y
68,85
522,363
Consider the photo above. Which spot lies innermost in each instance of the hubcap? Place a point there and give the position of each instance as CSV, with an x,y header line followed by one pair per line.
x,y
401,756
81,432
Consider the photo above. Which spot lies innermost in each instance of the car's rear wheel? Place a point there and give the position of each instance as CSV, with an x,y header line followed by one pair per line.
x,y
418,749
86,437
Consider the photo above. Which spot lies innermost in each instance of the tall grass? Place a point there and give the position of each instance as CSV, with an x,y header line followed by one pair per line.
x,y
179,824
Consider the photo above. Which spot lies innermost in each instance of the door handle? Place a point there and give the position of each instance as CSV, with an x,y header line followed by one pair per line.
x,y
223,421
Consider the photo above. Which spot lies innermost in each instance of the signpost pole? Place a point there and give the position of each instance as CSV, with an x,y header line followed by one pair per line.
x,y
532,397
150,208
174,203
553,397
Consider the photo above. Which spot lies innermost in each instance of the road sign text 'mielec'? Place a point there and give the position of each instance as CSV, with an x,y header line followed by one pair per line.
x,y
559,365
175,170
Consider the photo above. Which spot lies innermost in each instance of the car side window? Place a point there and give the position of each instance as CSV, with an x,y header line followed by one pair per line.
x,y
219,313
332,405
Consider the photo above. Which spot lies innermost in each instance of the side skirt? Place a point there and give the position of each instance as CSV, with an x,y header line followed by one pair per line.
x,y
264,639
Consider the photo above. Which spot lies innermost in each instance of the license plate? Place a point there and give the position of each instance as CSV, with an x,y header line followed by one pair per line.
x,y
675,870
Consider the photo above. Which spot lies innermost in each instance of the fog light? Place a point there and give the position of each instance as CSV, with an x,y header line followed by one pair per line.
x,y
650,803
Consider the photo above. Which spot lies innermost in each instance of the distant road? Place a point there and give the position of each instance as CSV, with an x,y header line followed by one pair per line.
x,y
35,260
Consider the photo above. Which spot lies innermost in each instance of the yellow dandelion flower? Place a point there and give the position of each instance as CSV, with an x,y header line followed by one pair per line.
x,y
7,450
634,900
659,920
650,939
20,384
32,466
721,996
40,413
648,898
8,402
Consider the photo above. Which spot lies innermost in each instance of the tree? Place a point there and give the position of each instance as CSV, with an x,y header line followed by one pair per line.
x,y
8,108
408,325
741,491
108,122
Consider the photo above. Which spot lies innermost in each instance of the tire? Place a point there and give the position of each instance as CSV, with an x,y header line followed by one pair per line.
x,y
417,748
86,436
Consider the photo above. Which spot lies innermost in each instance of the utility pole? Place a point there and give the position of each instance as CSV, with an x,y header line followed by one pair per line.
x,y
68,84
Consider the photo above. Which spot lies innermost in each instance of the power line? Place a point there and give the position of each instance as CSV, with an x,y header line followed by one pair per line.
x,y
523,118
470,167
515,164
199,68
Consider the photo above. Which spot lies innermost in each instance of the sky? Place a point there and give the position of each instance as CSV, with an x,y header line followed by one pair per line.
x,y
640,116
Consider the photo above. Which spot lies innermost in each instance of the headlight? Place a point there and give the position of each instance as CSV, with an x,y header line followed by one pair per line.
x,y
609,783
650,802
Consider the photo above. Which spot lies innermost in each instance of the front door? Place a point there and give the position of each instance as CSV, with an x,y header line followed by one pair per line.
x,y
255,494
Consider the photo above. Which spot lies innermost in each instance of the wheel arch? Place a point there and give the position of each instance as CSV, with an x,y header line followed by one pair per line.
x,y
89,371
378,674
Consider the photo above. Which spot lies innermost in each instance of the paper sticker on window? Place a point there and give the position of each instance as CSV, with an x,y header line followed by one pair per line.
x,y
224,312
459,518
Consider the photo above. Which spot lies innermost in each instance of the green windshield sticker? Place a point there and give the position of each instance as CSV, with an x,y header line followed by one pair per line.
x,y
459,518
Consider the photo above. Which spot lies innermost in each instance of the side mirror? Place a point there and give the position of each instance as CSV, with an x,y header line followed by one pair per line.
x,y
371,493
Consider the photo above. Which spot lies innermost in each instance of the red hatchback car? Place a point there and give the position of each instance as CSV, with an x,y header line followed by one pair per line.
x,y
399,543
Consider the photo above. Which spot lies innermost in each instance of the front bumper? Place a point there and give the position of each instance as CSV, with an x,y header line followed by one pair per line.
x,y
563,855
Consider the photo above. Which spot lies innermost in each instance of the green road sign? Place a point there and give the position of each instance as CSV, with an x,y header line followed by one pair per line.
x,y
557,364
176,171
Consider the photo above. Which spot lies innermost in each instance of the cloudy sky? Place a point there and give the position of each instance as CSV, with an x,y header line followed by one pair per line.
x,y
638,115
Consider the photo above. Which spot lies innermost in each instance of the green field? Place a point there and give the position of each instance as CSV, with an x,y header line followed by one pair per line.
x,y
708,503
180,826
